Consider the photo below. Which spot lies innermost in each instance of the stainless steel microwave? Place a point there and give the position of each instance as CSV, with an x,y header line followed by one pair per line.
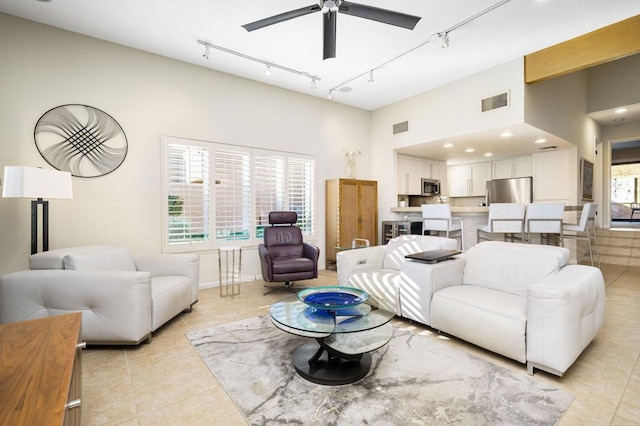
x,y
430,187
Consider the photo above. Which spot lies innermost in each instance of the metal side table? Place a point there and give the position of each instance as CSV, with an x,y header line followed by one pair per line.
x,y
230,270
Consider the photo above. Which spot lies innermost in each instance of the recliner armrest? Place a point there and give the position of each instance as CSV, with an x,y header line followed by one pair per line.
x,y
350,261
186,265
564,313
420,281
311,252
265,262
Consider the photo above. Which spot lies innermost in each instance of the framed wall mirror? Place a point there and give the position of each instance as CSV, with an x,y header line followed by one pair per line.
x,y
586,179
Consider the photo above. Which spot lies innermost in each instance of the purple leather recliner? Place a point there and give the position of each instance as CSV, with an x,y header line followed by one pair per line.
x,y
284,256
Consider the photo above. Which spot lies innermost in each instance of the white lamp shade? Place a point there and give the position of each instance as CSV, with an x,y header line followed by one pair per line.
x,y
33,182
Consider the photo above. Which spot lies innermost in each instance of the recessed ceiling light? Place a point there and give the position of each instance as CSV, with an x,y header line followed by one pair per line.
x,y
620,110
469,150
447,145
507,134
541,140
488,154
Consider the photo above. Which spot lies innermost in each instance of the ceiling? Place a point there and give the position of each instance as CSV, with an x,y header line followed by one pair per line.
x,y
510,29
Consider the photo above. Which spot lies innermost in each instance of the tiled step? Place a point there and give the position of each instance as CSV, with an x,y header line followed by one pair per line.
x,y
619,247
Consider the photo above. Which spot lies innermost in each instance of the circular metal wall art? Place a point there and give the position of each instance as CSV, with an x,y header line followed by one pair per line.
x,y
81,139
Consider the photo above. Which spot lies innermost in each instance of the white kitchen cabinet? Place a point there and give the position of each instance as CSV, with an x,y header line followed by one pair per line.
x,y
459,178
513,167
469,180
410,172
439,171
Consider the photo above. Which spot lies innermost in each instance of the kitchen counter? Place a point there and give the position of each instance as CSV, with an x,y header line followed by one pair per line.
x,y
454,209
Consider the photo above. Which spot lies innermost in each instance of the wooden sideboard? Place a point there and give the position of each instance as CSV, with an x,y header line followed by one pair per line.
x,y
41,371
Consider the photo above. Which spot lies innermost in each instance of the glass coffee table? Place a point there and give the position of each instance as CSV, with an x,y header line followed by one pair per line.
x,y
344,328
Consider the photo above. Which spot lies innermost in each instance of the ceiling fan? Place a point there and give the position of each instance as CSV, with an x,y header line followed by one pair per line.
x,y
330,11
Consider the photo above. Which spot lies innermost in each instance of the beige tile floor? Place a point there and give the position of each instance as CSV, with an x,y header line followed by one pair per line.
x,y
166,383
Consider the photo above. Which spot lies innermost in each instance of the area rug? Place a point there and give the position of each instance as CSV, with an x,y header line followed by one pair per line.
x,y
414,380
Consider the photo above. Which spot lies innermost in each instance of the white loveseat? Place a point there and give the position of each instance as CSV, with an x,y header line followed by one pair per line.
x,y
377,269
123,297
522,301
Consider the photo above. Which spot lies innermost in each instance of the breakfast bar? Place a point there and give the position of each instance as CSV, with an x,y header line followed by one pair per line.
x,y
471,215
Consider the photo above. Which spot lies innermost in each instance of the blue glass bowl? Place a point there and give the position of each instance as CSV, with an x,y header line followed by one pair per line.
x,y
332,298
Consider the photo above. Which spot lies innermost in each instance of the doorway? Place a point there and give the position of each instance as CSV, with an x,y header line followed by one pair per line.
x,y
625,184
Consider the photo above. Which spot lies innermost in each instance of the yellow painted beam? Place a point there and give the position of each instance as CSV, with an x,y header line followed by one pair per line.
x,y
606,44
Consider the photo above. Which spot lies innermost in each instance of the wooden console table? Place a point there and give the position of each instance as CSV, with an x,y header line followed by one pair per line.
x,y
40,371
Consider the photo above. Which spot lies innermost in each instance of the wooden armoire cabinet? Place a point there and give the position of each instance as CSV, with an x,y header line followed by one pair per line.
x,y
351,212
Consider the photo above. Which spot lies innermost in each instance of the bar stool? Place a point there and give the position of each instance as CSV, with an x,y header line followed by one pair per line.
x,y
546,220
437,217
504,218
585,229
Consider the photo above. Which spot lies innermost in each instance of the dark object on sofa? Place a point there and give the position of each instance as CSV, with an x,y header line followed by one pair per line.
x,y
284,257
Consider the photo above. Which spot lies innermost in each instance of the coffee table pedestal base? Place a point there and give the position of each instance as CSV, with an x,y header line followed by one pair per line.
x,y
329,370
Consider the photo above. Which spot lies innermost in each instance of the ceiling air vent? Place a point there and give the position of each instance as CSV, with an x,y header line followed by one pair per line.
x,y
400,127
495,102
544,148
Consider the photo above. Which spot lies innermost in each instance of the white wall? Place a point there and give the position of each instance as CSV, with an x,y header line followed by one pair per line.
x,y
43,67
559,106
614,84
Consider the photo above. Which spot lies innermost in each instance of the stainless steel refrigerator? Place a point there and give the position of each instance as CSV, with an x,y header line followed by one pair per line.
x,y
514,190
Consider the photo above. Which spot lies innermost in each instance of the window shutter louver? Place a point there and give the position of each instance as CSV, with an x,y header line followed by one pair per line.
x,y
269,188
302,192
188,203
232,195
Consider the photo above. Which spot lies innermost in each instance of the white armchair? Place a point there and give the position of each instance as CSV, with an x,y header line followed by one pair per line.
x,y
123,298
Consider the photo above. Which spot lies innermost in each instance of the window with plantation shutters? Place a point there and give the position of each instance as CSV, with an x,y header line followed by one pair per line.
x,y
217,194
187,195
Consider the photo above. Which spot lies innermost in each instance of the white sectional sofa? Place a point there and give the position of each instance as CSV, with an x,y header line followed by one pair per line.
x,y
522,301
123,297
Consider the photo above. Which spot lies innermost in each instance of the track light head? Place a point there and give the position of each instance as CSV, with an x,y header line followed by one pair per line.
x,y
206,52
445,40
267,71
370,80
314,84
330,95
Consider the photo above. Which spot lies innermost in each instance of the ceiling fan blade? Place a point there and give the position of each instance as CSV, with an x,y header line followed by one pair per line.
x,y
329,27
275,19
380,15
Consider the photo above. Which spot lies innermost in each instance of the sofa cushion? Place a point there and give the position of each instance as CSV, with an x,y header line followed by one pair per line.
x,y
399,247
54,259
511,267
109,259
492,319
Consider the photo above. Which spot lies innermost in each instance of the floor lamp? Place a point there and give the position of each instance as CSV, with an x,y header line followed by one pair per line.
x,y
34,182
